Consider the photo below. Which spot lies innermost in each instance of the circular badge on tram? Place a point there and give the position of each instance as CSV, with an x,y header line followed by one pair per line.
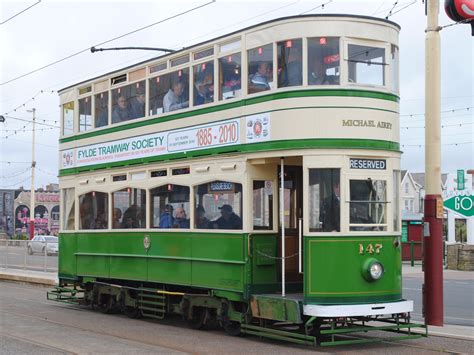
x,y
146,242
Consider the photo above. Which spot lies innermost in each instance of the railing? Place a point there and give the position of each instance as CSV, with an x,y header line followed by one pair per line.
x,y
22,254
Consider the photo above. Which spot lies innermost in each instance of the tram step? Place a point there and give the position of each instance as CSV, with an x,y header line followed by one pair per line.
x,y
278,334
65,295
151,304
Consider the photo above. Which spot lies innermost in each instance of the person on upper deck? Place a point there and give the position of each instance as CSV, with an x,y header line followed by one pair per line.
x,y
259,80
173,99
120,112
137,106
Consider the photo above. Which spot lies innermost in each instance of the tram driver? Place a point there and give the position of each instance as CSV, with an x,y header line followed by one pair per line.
x,y
330,211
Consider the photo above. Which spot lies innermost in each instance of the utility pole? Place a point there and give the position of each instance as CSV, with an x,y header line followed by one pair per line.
x,y
33,165
433,242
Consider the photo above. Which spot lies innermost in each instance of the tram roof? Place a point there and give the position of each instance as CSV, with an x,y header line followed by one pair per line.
x,y
233,33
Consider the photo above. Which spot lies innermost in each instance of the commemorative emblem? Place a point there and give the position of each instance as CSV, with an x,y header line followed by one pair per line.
x,y
146,242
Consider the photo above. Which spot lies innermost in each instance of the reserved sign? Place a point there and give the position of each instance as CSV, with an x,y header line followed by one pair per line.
x,y
373,164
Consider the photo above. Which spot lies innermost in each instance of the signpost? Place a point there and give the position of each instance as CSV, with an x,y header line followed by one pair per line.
x,y
460,180
463,205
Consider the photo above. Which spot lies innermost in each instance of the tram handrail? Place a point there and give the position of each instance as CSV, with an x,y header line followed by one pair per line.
x,y
300,239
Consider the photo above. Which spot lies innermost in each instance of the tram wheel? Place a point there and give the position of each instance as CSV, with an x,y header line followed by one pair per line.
x,y
130,311
198,318
106,304
232,328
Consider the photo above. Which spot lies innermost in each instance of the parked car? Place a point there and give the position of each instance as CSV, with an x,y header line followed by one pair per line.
x,y
42,243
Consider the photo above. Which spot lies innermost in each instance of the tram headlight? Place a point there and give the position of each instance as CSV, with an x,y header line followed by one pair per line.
x,y
372,270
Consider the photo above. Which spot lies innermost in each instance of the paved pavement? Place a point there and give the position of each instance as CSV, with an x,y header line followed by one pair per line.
x,y
451,331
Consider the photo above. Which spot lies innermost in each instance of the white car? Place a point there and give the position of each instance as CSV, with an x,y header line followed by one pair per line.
x,y
42,244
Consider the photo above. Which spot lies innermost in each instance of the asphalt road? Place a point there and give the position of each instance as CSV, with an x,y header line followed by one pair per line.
x,y
458,300
31,324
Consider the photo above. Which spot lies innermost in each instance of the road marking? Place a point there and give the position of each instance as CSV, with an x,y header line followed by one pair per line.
x,y
412,289
445,317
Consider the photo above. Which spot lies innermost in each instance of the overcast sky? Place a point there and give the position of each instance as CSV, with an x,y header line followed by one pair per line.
x,y
52,30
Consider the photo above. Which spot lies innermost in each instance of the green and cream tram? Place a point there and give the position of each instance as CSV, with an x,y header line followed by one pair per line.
x,y
251,180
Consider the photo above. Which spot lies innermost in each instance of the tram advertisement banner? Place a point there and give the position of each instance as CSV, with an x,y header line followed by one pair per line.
x,y
198,137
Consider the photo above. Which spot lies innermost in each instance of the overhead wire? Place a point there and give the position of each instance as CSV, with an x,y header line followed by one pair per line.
x,y
108,41
19,13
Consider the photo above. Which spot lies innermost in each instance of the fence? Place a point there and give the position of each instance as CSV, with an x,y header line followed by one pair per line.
x,y
27,255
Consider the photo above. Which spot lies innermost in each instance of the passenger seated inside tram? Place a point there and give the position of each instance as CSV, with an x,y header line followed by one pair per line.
x,y
116,223
204,92
260,80
201,221
130,219
166,217
330,210
120,112
137,104
180,220
174,98
228,219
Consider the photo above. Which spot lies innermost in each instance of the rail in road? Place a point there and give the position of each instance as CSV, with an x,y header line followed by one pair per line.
x,y
18,254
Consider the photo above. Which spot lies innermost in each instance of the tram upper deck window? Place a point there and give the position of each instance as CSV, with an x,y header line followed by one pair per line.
x,y
68,118
68,203
218,205
260,69
230,76
93,210
203,83
366,64
367,206
169,92
170,206
85,114
128,102
101,109
323,61
128,206
324,200
290,63
394,69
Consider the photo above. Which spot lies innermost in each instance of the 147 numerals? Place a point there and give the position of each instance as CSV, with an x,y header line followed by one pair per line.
x,y
370,249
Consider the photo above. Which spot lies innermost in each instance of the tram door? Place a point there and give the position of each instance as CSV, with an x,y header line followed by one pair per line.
x,y
293,211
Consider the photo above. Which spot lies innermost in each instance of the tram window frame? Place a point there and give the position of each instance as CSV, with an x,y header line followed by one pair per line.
x,y
324,64
160,86
101,109
68,207
290,63
68,113
357,66
259,82
203,83
361,209
230,86
218,202
324,200
133,214
395,68
96,208
164,216
85,113
262,192
396,182
130,94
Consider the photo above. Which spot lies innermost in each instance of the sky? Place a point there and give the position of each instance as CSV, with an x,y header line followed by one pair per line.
x,y
51,30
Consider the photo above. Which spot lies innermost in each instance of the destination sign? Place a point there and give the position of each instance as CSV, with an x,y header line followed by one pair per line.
x,y
372,164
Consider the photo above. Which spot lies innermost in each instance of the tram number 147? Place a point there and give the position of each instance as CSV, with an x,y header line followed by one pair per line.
x,y
222,134
370,249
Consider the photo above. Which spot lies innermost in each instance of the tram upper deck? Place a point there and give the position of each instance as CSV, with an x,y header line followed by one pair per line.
x,y
327,81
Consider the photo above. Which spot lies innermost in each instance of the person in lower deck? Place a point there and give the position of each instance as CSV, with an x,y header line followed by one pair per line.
x,y
180,220
330,211
228,220
201,221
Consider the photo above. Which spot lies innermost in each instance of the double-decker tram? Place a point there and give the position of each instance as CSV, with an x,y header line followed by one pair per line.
x,y
250,181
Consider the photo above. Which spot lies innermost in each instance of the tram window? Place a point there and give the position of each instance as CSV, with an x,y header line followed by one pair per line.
x,y
367,206
128,208
85,114
170,206
68,203
122,177
180,171
323,61
394,69
68,118
158,173
366,64
230,73
101,112
218,205
262,205
324,200
260,68
128,102
93,210
203,83
290,63
169,92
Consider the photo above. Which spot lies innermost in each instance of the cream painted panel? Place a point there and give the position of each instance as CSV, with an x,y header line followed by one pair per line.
x,y
67,96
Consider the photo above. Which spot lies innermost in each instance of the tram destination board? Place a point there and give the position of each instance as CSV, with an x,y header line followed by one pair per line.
x,y
373,164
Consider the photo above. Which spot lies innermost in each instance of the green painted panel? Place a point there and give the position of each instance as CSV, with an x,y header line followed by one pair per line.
x,y
228,247
67,260
89,265
130,268
170,244
334,269
276,308
97,243
169,271
215,275
264,247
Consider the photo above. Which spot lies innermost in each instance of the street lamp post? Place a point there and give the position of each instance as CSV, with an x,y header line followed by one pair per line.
x,y
33,165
